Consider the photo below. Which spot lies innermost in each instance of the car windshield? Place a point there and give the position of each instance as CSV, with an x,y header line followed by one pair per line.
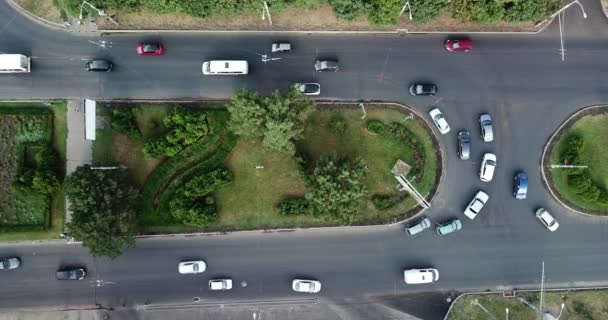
x,y
456,44
491,163
438,117
150,48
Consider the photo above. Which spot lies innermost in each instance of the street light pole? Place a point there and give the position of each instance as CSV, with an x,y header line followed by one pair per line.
x,y
507,312
560,311
568,6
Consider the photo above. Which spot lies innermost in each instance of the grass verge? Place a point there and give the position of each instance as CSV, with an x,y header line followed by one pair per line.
x,y
579,305
593,129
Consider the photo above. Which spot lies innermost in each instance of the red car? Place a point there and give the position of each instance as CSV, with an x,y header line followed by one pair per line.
x,y
465,45
149,49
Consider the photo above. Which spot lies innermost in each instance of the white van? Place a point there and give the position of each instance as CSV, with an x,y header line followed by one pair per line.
x,y
418,276
225,67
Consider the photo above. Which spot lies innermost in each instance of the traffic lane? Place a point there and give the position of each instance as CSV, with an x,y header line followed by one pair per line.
x,y
35,283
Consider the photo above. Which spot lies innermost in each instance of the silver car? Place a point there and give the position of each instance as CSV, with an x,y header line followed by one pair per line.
x,y
308,88
326,65
418,227
487,128
464,145
10,263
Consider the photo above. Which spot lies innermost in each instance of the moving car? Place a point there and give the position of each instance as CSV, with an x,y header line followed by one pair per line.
x,y
520,185
281,47
418,227
476,204
488,165
547,219
99,66
449,227
150,49
71,273
439,120
220,284
464,45
420,276
306,286
10,263
464,145
423,89
192,267
326,65
487,128
309,88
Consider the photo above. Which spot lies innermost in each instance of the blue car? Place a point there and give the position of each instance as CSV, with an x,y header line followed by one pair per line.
x,y
520,187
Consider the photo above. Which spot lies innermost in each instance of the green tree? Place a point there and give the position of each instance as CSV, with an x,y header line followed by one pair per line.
x,y
348,9
104,210
247,114
385,12
336,186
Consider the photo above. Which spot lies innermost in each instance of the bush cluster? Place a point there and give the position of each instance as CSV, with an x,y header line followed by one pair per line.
x,y
193,205
383,202
579,181
293,206
404,135
42,176
375,126
337,124
124,121
186,127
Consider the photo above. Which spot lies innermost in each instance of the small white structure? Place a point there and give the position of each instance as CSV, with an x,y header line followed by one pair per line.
x,y
89,117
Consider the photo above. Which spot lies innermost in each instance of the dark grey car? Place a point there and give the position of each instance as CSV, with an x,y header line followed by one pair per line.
x,y
99,66
464,145
326,65
71,273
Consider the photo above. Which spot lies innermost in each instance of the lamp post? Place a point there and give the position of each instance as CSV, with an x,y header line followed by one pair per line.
x,y
507,312
568,6
560,312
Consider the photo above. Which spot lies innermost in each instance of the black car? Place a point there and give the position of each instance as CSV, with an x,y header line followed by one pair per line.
x,y
423,89
75,273
99,66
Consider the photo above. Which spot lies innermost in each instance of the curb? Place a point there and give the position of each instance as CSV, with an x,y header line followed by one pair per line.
x,y
37,19
592,288
549,186
604,4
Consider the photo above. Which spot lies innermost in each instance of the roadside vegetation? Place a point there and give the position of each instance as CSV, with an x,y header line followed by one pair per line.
x,y
583,144
377,12
579,305
32,158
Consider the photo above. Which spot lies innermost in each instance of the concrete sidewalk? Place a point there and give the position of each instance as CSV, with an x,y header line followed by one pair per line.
x,y
53,315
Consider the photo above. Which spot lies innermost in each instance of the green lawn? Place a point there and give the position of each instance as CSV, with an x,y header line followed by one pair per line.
x,y
48,213
594,131
579,305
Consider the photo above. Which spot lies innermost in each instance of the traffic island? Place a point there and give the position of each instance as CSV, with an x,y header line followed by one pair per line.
x,y
574,162
257,188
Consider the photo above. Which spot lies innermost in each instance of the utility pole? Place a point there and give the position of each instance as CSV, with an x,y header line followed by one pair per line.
x,y
406,6
267,12
542,287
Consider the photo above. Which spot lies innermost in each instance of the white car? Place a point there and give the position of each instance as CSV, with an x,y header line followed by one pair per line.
x,y
487,129
488,165
440,121
419,276
220,284
306,286
192,267
308,88
547,219
476,204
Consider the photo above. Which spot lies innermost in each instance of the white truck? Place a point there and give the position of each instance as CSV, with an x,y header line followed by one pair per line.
x,y
15,63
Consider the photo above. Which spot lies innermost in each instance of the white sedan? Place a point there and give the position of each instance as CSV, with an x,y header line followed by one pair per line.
x,y
192,267
220,284
306,286
476,204
547,219
440,121
488,165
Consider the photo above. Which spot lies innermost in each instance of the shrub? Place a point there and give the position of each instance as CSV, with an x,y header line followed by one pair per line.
x,y
348,9
375,126
294,206
337,124
124,121
383,202
198,214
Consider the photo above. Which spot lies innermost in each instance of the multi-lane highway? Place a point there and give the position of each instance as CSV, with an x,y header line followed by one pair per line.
x,y
519,79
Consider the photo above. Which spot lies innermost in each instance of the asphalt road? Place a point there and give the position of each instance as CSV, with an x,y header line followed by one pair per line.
x,y
520,79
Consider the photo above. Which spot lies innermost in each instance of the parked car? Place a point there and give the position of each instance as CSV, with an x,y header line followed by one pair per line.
x,y
547,219
99,66
520,185
306,286
465,45
449,227
71,273
220,284
326,65
192,267
464,145
476,204
423,89
439,120
10,263
420,276
150,49
488,165
487,128
309,88
281,47
418,227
